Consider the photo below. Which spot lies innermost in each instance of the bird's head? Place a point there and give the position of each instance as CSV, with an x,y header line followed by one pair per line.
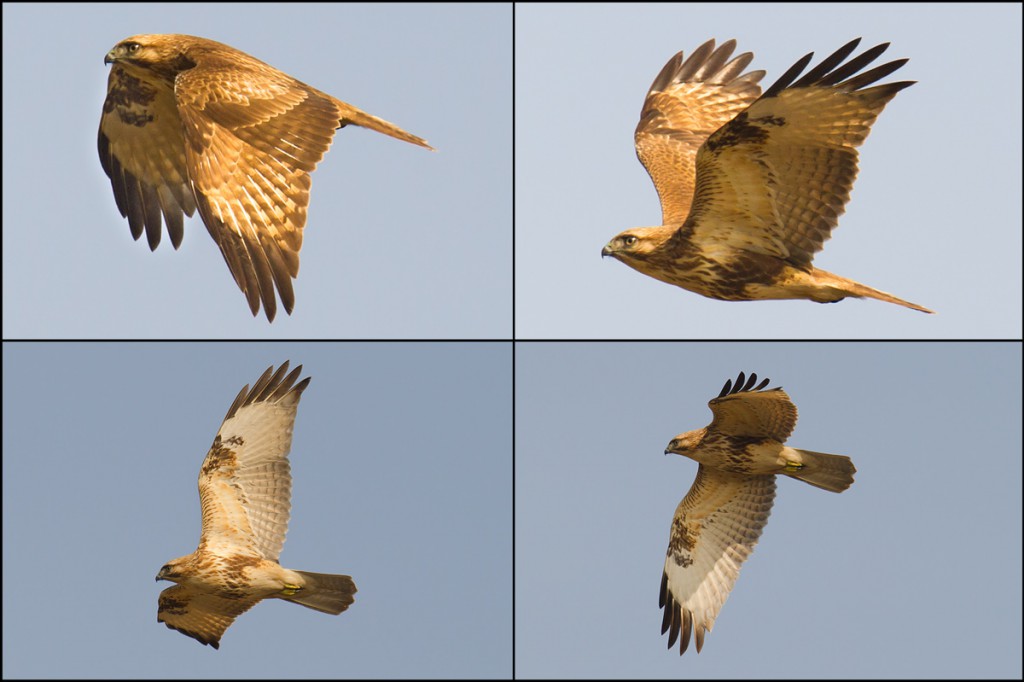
x,y
165,55
171,571
685,443
635,244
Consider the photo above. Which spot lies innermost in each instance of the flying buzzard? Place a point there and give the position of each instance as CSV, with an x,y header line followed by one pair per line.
x,y
752,185
245,487
191,123
719,521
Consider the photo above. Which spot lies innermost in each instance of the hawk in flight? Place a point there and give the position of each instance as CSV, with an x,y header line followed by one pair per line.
x,y
245,487
191,123
719,521
751,184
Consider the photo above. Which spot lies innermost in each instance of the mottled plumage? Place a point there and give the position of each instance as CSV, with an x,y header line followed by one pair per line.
x,y
191,123
720,520
751,185
245,487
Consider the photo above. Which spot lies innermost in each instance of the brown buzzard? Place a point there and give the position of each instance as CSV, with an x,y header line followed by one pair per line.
x,y
191,123
752,184
245,488
719,521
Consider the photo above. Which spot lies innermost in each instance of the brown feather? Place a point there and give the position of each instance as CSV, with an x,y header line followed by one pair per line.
x,y
192,123
751,187
719,521
245,495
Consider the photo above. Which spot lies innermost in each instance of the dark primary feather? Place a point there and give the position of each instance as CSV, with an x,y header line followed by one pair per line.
x,y
823,74
740,387
270,387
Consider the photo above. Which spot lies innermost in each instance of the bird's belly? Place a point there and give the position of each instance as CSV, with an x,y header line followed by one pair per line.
x,y
765,457
794,283
743,455
725,274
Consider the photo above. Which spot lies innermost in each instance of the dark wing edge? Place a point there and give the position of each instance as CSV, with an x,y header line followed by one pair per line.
x,y
705,65
270,387
677,620
739,386
831,72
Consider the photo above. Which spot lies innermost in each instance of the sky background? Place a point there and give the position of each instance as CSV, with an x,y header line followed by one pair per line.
x,y
400,242
935,216
402,478
915,571
923,577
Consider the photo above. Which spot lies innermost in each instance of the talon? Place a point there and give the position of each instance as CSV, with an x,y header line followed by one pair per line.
x,y
290,590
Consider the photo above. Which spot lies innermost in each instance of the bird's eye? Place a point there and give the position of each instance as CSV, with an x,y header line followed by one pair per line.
x,y
629,240
132,47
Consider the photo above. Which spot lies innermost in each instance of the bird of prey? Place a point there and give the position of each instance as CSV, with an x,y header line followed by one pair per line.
x,y
719,521
751,184
191,123
245,487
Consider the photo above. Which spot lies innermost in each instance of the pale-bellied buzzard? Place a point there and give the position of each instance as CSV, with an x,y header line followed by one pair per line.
x,y
245,488
719,521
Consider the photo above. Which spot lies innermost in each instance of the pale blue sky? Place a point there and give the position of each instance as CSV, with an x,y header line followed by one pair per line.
x,y
402,458
400,242
402,478
915,571
935,215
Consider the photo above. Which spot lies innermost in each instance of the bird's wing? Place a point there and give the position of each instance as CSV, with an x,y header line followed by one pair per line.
x,y
776,178
200,615
687,102
245,482
253,135
747,410
714,530
142,152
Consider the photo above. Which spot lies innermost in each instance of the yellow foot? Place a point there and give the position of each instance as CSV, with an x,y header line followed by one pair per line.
x,y
793,466
290,590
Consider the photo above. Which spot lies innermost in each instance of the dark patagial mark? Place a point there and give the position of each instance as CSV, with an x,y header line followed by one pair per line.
x,y
219,457
682,539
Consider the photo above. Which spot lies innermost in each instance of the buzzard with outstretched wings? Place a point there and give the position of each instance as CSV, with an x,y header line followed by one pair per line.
x,y
245,488
190,123
720,520
751,184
